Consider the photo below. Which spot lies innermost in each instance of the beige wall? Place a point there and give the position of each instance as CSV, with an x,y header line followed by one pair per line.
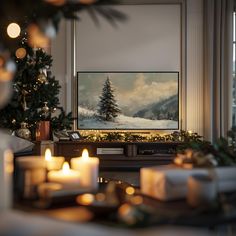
x,y
161,50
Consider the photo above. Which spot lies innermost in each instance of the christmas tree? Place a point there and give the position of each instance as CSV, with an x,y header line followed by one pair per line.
x,y
35,93
108,108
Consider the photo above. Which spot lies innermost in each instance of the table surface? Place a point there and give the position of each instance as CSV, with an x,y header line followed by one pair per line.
x,y
174,212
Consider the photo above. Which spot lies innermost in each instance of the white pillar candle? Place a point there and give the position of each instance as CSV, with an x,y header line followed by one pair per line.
x,y
88,168
53,162
6,172
64,176
31,172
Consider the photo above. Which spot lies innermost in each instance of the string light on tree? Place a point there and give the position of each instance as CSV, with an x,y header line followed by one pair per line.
x,y
13,30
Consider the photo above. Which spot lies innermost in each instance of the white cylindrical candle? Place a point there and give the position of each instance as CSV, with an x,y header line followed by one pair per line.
x,y
202,190
88,168
31,171
64,176
6,173
31,162
53,162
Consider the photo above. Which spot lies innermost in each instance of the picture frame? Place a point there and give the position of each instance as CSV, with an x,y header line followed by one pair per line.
x,y
75,136
156,96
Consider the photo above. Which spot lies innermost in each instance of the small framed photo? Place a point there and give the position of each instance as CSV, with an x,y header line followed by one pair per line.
x,y
74,135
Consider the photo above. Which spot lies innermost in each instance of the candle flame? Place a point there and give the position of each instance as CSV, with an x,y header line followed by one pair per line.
x,y
85,154
65,167
48,154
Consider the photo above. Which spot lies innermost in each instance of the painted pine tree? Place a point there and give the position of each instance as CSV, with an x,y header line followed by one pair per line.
x,y
108,107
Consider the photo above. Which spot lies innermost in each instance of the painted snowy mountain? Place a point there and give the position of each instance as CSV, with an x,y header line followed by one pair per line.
x,y
89,119
164,110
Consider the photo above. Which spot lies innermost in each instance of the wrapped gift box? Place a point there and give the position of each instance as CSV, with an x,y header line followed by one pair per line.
x,y
170,182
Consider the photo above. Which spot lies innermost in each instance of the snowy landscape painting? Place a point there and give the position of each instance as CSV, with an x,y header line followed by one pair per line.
x,y
128,100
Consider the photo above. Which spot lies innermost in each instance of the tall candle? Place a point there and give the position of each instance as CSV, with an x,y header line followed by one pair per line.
x,y
53,162
64,176
31,171
6,172
88,168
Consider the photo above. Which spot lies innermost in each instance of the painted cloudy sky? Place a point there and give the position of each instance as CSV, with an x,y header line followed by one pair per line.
x,y
133,91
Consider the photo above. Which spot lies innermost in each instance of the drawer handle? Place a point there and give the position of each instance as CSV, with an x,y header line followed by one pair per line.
x,y
76,150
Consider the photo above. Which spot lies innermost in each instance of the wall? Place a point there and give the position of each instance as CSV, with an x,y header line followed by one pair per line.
x,y
148,41
95,52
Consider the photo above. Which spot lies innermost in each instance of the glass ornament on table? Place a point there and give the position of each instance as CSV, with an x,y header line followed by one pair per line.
x,y
24,132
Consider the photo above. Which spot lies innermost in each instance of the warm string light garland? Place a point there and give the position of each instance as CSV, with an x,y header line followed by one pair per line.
x,y
176,136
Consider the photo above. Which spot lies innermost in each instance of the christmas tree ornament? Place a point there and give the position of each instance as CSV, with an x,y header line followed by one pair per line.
x,y
13,121
45,109
42,78
20,53
24,132
13,30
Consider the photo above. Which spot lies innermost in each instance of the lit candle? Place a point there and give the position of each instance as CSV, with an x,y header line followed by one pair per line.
x,y
64,176
88,168
53,162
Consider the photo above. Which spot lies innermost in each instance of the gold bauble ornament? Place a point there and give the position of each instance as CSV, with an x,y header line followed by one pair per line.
x,y
42,78
24,132
20,53
45,109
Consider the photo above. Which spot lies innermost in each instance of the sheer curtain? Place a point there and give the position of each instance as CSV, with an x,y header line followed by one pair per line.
x,y
218,54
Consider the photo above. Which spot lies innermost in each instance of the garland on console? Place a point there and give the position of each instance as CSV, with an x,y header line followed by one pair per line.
x,y
177,136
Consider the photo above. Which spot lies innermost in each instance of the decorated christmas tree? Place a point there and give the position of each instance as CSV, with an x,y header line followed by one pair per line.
x,y
35,93
108,108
